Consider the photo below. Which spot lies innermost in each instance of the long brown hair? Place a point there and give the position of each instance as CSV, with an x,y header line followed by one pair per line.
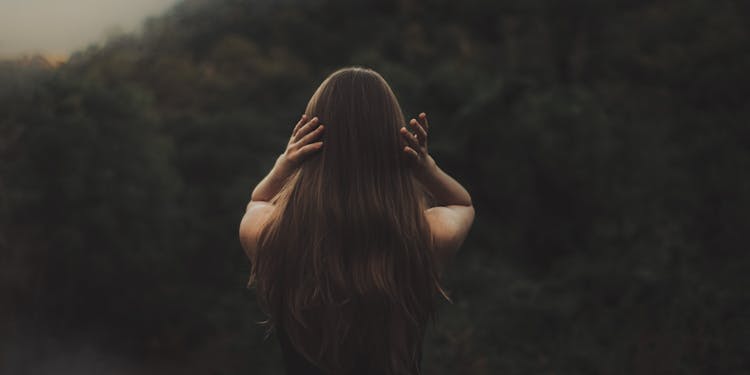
x,y
345,264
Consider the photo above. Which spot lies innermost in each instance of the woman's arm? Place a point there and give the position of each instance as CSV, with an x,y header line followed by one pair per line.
x,y
453,216
444,188
270,185
299,148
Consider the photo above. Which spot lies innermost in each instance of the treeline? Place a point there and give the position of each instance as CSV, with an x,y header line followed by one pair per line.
x,y
606,145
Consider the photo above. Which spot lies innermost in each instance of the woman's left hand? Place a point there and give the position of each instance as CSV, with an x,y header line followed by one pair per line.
x,y
301,144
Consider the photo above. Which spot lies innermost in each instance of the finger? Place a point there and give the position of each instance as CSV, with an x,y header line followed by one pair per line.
x,y
299,124
423,120
410,151
419,130
309,149
412,142
309,137
310,125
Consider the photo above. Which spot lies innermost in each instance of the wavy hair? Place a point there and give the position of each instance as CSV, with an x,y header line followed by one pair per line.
x,y
345,263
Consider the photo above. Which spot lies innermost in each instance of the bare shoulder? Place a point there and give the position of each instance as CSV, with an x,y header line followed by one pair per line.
x,y
256,215
449,226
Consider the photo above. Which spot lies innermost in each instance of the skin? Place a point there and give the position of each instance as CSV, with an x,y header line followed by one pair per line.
x,y
449,220
300,146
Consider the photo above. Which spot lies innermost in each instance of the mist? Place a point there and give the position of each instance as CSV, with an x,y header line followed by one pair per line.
x,y
53,27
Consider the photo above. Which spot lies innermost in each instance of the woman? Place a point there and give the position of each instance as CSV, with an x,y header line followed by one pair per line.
x,y
350,231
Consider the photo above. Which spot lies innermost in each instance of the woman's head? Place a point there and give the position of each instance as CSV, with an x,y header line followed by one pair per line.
x,y
345,262
362,118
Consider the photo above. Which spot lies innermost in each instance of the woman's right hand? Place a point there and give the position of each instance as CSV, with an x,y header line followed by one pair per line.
x,y
416,144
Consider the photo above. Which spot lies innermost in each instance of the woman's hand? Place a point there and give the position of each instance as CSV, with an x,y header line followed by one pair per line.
x,y
416,144
299,148
301,144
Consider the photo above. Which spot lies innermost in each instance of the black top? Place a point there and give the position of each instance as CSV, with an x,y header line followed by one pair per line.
x,y
296,364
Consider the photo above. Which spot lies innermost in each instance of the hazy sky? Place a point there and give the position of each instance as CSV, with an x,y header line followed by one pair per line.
x,y
59,27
